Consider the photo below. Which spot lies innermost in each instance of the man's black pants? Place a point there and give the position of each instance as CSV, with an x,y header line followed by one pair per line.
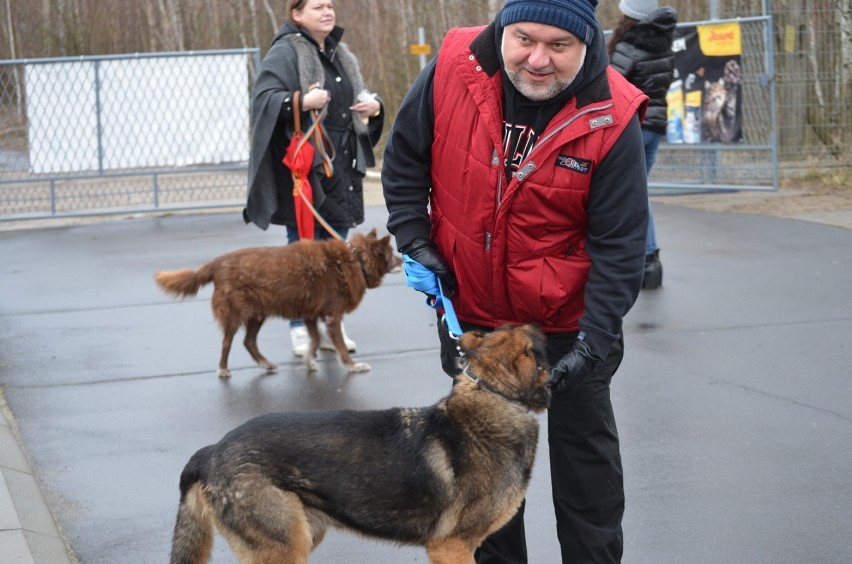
x,y
585,466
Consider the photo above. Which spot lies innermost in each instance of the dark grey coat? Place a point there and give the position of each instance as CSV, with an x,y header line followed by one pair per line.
x,y
644,56
293,63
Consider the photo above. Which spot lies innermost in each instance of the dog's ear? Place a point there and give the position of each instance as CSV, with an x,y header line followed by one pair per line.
x,y
372,233
357,240
470,341
538,342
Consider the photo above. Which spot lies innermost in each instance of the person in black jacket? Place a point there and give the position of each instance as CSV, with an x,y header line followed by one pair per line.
x,y
307,55
641,49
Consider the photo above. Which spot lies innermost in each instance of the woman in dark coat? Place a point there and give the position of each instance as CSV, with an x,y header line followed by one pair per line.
x,y
641,49
308,56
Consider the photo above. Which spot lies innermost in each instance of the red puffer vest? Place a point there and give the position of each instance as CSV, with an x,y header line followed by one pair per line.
x,y
517,248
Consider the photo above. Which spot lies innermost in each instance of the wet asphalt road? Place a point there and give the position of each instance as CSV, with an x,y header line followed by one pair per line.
x,y
734,402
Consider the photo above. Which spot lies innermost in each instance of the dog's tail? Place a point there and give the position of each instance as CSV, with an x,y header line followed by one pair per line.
x,y
192,542
182,283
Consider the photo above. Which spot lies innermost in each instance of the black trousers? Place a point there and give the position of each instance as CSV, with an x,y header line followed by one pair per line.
x,y
585,466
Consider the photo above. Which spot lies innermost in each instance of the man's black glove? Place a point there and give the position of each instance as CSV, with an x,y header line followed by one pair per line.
x,y
573,368
426,253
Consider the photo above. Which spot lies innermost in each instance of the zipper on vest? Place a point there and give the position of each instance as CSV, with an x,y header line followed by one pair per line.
x,y
501,176
568,122
501,173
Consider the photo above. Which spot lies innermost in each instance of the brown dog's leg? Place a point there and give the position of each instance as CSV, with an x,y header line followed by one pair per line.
x,y
253,326
332,323
230,322
450,551
311,355
229,331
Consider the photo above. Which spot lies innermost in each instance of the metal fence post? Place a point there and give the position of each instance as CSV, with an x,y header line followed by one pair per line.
x,y
100,128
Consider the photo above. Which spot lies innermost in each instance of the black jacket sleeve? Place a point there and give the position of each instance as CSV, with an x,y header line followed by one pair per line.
x,y
618,224
271,116
407,162
621,60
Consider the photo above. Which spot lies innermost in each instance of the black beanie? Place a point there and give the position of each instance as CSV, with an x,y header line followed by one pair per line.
x,y
576,16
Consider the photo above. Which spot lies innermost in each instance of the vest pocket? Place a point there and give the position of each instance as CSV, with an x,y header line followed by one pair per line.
x,y
547,290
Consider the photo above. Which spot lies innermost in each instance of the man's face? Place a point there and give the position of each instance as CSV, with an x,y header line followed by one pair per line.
x,y
541,60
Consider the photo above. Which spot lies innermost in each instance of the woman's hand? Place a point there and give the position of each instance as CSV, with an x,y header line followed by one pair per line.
x,y
315,99
367,107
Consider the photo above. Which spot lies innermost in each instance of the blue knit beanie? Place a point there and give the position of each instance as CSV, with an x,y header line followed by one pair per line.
x,y
576,16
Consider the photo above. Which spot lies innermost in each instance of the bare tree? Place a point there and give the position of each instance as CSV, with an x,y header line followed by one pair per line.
x,y
271,13
10,30
172,24
61,22
19,106
46,11
844,21
252,10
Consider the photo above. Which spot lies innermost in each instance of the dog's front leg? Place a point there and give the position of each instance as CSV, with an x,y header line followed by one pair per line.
x,y
253,326
311,355
450,551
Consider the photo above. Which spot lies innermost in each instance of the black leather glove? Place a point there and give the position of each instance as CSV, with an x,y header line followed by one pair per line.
x,y
426,253
573,368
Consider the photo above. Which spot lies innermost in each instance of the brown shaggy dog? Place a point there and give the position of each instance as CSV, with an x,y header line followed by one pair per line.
x,y
307,280
443,477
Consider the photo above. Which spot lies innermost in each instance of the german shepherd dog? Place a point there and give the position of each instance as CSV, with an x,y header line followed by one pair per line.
x,y
306,280
443,477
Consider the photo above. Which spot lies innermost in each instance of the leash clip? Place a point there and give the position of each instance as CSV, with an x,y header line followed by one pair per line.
x,y
446,324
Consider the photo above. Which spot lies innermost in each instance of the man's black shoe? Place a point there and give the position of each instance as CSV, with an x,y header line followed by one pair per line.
x,y
653,271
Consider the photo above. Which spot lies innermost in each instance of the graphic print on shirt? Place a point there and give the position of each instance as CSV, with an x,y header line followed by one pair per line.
x,y
518,142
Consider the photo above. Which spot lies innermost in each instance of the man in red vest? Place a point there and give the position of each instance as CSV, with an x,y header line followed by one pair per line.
x,y
515,173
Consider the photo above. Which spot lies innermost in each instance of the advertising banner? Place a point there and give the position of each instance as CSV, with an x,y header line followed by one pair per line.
x,y
705,99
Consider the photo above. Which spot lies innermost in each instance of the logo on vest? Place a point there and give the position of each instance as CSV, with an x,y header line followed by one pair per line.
x,y
573,163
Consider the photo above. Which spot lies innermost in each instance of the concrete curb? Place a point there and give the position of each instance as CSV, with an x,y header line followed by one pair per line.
x,y
28,532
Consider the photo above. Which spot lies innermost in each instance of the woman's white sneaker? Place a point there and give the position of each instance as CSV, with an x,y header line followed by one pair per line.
x,y
300,340
325,341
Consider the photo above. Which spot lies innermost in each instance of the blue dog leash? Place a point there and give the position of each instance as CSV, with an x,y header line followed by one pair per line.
x,y
424,280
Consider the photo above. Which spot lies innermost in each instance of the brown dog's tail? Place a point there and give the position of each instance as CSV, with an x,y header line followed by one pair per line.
x,y
192,542
182,283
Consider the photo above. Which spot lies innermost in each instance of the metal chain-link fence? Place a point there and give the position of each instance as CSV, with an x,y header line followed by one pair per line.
x,y
124,134
749,162
812,42
139,133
